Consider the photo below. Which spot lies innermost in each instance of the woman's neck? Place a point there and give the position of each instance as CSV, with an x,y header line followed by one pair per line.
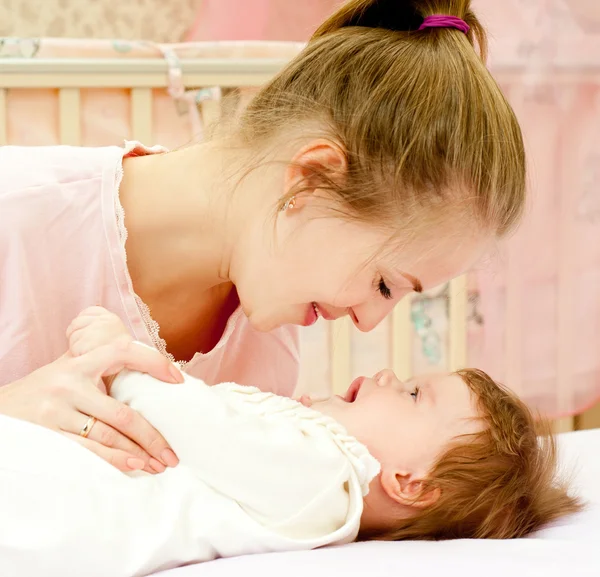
x,y
181,224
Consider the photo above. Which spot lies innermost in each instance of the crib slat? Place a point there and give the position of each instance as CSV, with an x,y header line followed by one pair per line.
x,y
340,346
457,358
513,321
512,359
211,112
401,339
569,151
3,117
589,419
141,115
564,425
69,116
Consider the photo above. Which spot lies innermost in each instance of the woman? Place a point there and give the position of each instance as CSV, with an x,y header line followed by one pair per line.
x,y
382,160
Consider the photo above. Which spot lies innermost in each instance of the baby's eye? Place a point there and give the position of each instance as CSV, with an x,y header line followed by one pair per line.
x,y
415,394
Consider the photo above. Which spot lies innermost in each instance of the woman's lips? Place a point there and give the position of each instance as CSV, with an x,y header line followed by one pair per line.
x,y
312,315
323,312
314,311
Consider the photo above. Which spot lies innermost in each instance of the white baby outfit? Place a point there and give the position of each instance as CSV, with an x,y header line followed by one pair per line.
x,y
257,473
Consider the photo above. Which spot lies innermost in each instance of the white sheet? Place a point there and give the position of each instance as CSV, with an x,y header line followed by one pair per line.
x,y
570,548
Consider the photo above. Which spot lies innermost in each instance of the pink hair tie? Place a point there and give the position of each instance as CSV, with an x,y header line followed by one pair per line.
x,y
441,21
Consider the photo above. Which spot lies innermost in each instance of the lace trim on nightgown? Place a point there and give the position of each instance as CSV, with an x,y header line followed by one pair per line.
x,y
152,326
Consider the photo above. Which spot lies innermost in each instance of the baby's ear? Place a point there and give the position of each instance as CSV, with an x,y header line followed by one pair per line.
x,y
407,489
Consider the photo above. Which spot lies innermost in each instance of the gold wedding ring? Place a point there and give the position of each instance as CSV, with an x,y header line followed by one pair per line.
x,y
87,427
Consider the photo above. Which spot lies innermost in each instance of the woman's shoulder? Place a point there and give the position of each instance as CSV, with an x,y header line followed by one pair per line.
x,y
35,167
56,210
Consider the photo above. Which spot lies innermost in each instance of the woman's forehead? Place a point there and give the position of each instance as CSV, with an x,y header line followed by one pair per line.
x,y
434,261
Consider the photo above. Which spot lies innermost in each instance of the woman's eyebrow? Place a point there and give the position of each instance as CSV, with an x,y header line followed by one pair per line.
x,y
390,272
416,283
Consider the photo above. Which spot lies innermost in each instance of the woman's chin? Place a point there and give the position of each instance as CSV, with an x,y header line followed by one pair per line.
x,y
263,323
269,321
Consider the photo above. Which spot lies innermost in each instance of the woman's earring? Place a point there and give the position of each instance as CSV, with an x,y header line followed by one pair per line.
x,y
290,203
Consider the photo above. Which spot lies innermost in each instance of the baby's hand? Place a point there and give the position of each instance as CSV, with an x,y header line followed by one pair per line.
x,y
305,400
96,327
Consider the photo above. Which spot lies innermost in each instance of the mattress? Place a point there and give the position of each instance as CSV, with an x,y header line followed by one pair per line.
x,y
569,547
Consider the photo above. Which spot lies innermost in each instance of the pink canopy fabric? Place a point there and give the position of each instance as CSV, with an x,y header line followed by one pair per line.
x,y
540,296
259,19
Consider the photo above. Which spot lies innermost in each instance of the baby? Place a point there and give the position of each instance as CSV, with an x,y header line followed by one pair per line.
x,y
437,457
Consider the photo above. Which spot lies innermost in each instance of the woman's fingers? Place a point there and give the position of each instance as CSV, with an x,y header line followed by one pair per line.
x,y
108,437
60,395
109,360
104,434
125,354
116,457
128,422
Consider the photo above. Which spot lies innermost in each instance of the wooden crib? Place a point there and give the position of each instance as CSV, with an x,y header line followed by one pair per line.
x,y
141,74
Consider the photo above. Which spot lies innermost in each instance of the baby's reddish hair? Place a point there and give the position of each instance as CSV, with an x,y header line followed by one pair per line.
x,y
499,483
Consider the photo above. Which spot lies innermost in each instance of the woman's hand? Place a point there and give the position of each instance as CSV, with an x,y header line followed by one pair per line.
x,y
96,327
65,394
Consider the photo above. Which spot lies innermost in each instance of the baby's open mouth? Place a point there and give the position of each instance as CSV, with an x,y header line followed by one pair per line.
x,y
353,389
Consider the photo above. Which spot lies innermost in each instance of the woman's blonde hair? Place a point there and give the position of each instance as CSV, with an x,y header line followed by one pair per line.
x,y
500,483
422,123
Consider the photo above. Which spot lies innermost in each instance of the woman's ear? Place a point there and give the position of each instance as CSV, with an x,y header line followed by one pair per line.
x,y
408,490
307,169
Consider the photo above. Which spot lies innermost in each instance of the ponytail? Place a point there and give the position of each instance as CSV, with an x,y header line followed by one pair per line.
x,y
419,116
404,16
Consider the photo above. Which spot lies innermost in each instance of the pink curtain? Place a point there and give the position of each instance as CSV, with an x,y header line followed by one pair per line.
x,y
259,19
540,295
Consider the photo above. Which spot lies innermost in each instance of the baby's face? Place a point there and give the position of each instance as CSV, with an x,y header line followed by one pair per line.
x,y
405,425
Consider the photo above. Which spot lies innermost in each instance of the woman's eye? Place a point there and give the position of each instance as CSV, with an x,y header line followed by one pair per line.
x,y
386,293
415,394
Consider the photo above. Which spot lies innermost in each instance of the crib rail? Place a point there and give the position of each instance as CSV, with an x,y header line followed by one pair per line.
x,y
134,72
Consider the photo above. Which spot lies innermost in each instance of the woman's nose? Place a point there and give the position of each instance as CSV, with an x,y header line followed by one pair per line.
x,y
368,315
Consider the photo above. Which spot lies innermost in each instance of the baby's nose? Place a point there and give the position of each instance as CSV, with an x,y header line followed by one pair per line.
x,y
386,378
